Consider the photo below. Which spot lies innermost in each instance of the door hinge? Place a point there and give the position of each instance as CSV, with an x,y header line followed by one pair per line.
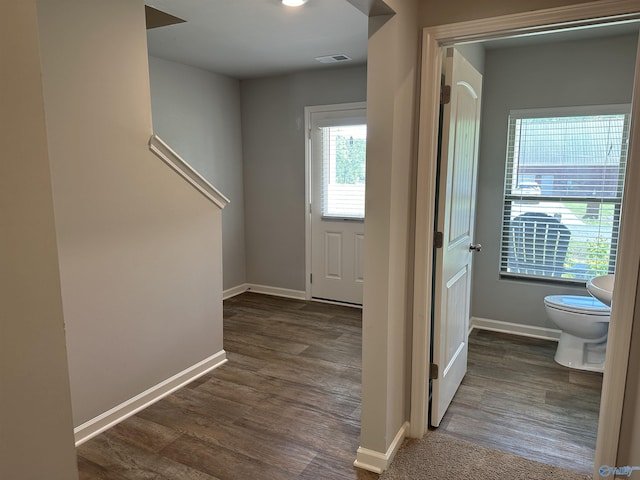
x,y
311,278
445,94
310,209
433,371
438,240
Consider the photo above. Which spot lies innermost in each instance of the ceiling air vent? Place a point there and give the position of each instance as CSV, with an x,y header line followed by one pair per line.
x,y
333,58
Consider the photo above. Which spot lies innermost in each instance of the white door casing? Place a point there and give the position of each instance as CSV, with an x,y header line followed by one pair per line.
x,y
456,216
547,20
335,241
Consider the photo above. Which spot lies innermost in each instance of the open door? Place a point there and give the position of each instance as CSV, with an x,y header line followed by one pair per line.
x,y
455,226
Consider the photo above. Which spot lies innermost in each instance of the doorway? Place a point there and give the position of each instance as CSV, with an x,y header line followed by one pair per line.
x,y
433,39
336,175
508,298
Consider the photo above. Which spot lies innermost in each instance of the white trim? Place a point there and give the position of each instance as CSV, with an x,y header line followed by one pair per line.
x,y
265,290
526,23
424,228
334,302
186,171
233,291
308,110
572,111
537,22
624,303
378,462
515,329
307,202
276,291
132,406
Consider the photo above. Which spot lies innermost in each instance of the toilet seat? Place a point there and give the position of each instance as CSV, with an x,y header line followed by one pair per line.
x,y
582,305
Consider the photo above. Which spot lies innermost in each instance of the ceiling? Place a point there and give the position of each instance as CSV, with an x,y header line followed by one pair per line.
x,y
256,38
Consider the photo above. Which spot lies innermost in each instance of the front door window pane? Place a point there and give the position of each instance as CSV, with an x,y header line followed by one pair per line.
x,y
344,162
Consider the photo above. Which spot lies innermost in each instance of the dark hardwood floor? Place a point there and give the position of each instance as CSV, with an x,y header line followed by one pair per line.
x,y
516,398
287,404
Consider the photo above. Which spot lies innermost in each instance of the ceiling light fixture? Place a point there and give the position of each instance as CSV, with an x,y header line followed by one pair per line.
x,y
294,3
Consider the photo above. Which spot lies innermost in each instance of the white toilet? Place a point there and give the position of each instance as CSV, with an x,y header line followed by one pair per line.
x,y
584,322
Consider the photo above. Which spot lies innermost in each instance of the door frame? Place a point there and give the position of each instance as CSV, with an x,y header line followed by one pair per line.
x,y
617,357
308,169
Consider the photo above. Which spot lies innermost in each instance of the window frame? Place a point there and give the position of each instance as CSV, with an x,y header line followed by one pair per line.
x,y
329,164
509,197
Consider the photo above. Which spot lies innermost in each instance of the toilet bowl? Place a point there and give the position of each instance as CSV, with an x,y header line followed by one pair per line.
x,y
584,323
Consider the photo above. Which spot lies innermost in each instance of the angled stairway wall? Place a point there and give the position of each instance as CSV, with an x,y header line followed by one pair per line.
x,y
139,248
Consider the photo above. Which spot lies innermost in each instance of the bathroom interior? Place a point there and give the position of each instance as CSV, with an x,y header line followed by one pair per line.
x,y
552,307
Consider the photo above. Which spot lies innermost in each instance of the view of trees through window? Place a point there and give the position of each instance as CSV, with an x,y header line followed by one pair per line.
x,y
344,170
350,159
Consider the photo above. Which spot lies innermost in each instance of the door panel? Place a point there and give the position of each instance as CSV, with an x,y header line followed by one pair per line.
x,y
333,256
458,172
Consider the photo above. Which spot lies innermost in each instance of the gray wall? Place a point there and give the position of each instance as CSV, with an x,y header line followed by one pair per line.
x,y
591,72
139,249
274,166
474,53
198,114
392,99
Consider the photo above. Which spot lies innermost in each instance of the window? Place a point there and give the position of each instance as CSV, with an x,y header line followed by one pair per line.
x,y
563,191
343,175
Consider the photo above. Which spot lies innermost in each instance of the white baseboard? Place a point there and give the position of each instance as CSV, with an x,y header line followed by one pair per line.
x,y
335,302
233,291
264,290
515,328
132,406
276,291
378,462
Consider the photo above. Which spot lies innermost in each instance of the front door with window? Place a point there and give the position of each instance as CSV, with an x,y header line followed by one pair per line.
x,y
337,137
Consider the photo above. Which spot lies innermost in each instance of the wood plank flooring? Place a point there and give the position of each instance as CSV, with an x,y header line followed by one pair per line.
x,y
516,398
287,404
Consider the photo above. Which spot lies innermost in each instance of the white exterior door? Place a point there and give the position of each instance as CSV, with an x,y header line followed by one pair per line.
x,y
456,212
337,146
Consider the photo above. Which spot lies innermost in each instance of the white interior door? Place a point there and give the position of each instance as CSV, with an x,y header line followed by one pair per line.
x,y
456,212
337,136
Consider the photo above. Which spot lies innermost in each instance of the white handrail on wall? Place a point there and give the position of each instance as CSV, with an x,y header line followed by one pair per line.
x,y
186,171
